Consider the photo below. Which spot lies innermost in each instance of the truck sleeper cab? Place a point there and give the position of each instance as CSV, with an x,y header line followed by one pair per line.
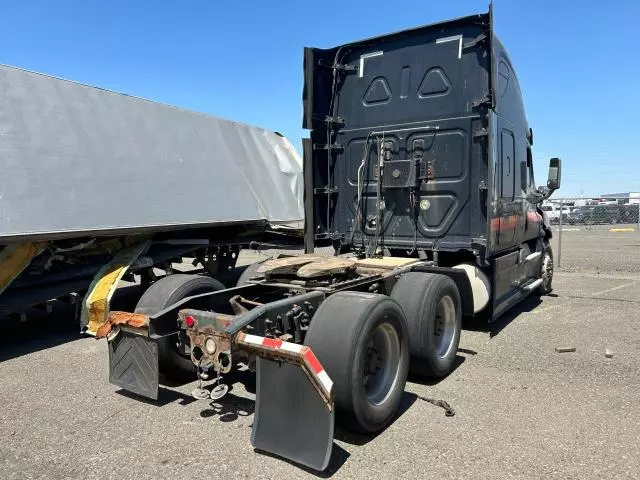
x,y
418,171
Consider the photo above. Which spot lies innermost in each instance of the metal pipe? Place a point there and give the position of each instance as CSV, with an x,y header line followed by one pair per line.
x,y
560,233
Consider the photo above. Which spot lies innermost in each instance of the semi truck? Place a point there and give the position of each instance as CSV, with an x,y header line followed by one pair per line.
x,y
418,172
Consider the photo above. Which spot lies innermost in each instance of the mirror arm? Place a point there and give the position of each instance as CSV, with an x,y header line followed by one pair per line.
x,y
541,194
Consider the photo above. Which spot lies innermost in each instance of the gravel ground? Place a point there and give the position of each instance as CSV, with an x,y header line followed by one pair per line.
x,y
596,249
522,410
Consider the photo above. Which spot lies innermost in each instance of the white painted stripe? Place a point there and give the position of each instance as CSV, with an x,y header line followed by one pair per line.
x,y
253,339
452,39
291,347
325,380
625,285
363,58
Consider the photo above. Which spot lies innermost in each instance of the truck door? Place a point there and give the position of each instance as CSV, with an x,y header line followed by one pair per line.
x,y
507,208
532,218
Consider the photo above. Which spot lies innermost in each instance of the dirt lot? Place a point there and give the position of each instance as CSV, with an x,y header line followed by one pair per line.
x,y
522,410
597,249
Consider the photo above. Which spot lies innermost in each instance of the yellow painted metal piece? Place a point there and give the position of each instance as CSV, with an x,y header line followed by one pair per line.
x,y
15,258
95,310
627,229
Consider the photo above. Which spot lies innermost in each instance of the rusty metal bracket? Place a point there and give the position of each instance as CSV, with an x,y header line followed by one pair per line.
x,y
237,303
136,320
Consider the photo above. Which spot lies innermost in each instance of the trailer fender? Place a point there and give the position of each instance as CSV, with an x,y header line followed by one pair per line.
x,y
95,305
294,415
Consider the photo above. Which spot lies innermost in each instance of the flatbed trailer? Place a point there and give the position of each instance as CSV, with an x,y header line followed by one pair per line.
x,y
418,171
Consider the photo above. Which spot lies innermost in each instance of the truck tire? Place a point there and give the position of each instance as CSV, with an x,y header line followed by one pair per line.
x,y
160,295
546,271
361,339
431,303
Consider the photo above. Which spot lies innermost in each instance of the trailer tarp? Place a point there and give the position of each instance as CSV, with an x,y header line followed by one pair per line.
x,y
76,159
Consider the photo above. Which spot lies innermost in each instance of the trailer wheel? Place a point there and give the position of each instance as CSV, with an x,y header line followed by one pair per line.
x,y
160,295
361,339
432,305
546,271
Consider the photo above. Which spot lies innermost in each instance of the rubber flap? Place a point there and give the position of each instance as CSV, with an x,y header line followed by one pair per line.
x,y
291,419
133,364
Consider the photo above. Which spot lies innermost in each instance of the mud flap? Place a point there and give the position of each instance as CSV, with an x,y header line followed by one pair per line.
x,y
133,363
291,419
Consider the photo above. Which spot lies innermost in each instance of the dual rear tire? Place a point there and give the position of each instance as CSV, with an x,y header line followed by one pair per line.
x,y
432,305
361,339
367,343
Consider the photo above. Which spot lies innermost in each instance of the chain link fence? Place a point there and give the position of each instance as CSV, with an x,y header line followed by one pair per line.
x,y
585,227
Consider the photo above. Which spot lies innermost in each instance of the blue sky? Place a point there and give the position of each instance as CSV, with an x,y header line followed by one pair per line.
x,y
577,62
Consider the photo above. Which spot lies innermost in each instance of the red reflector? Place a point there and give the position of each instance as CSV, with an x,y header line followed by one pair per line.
x,y
190,321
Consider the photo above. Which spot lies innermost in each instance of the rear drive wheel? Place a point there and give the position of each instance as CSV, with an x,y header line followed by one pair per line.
x,y
160,295
546,271
361,340
431,303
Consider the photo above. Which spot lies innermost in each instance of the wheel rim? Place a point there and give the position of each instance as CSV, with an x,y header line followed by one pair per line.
x,y
381,363
444,326
547,270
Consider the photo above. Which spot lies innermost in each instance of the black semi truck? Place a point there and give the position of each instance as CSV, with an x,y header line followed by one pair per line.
x,y
419,172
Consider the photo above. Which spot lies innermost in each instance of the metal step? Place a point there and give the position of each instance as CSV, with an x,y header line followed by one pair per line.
x,y
533,285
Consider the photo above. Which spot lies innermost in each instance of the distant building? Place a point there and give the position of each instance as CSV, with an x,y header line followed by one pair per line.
x,y
615,195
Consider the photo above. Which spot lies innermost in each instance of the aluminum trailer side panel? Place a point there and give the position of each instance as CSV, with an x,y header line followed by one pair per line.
x,y
76,159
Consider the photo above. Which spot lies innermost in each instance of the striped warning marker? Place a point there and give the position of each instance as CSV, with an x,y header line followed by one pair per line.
x,y
291,351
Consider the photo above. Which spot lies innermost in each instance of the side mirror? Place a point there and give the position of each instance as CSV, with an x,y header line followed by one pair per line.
x,y
553,183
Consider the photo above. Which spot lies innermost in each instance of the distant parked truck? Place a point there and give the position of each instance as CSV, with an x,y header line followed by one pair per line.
x,y
604,214
552,212
419,173
629,212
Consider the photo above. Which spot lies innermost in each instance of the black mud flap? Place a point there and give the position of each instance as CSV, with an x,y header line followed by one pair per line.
x,y
133,363
291,418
